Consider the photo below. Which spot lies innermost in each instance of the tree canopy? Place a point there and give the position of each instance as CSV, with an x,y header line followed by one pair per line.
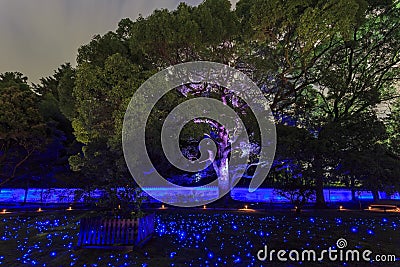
x,y
325,66
22,129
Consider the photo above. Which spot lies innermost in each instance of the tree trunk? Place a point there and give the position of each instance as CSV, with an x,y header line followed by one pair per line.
x,y
375,195
353,189
319,193
224,182
26,191
319,183
223,177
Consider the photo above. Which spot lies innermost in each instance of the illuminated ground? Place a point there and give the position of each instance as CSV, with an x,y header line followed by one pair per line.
x,y
201,238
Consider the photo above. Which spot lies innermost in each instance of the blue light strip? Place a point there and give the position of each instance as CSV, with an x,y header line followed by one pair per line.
x,y
266,195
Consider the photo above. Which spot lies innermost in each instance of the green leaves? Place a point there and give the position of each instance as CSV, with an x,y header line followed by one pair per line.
x,y
325,63
189,33
20,118
101,95
22,129
393,128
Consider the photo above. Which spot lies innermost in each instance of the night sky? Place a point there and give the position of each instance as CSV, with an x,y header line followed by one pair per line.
x,y
37,36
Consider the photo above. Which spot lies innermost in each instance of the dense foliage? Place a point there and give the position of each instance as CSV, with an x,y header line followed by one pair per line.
x,y
325,66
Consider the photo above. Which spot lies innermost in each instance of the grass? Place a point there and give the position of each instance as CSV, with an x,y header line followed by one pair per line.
x,y
199,238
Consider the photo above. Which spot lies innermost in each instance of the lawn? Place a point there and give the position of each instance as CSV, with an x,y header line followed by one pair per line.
x,y
199,238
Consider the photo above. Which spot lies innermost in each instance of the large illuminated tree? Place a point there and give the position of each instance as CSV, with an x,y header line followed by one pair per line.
x,y
320,62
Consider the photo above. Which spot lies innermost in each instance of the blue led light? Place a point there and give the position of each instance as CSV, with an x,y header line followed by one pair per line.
x,y
237,260
208,232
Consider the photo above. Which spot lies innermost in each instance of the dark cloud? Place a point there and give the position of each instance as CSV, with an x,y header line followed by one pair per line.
x,y
36,36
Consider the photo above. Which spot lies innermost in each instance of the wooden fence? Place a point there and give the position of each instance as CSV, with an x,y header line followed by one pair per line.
x,y
108,233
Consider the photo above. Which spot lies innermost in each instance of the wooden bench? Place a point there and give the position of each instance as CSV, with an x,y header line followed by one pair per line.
x,y
115,233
